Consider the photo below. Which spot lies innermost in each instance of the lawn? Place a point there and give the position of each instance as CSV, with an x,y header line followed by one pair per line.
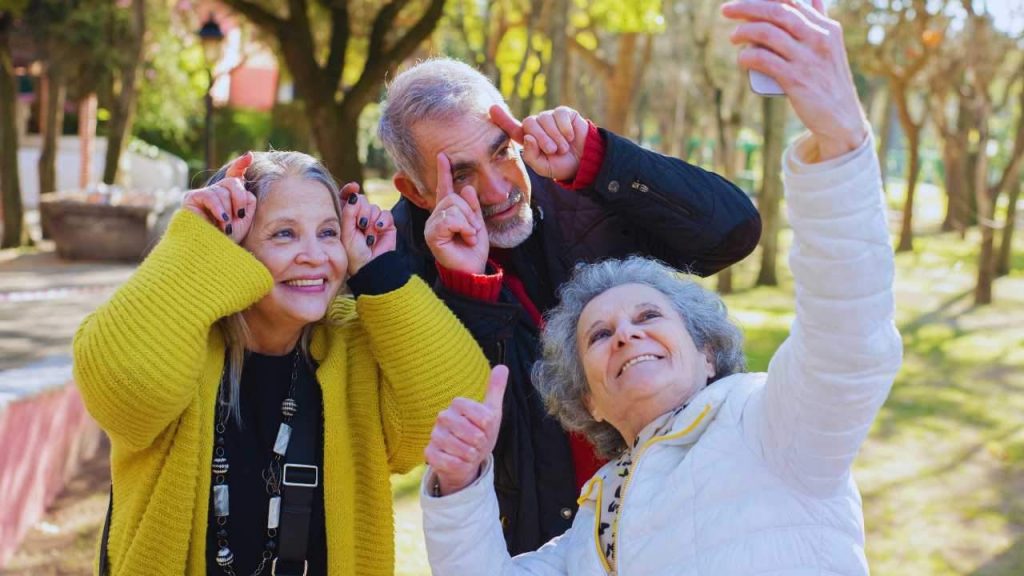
x,y
942,473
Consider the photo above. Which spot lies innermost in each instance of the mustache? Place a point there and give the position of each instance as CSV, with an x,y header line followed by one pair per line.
x,y
514,197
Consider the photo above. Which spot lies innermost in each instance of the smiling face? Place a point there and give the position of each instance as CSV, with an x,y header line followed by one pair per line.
x,y
638,357
296,234
484,157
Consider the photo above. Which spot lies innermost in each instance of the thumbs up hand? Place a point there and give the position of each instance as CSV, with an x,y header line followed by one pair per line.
x,y
465,433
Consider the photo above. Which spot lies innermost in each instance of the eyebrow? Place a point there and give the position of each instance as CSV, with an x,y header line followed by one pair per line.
x,y
497,143
293,222
639,306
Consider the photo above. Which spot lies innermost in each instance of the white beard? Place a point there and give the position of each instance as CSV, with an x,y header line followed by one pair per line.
x,y
513,232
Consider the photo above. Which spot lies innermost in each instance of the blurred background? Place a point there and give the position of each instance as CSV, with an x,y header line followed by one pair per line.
x,y
110,109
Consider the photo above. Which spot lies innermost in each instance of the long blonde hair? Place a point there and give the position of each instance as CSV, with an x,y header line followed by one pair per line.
x,y
267,169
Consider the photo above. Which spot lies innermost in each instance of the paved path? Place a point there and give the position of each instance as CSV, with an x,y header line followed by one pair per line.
x,y
43,299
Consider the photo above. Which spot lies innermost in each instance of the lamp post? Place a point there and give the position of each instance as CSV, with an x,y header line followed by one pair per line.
x,y
212,38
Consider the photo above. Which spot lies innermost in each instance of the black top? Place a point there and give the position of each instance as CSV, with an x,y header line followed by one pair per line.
x,y
265,382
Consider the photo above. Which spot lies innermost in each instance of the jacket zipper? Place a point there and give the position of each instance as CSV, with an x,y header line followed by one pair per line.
x,y
632,473
501,351
669,203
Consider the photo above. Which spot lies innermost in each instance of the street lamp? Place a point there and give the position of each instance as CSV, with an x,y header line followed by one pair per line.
x,y
212,39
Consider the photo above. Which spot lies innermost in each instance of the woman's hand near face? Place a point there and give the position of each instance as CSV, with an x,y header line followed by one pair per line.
x,y
465,434
366,230
802,49
226,204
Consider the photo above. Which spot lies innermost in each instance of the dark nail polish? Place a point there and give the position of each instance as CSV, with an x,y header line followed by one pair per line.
x,y
362,223
380,223
370,240
241,212
227,229
224,216
353,199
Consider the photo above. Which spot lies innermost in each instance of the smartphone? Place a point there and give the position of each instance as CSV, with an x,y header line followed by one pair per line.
x,y
761,83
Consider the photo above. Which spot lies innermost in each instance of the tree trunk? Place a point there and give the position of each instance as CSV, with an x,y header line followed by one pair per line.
x,y
986,213
122,111
954,156
913,133
52,96
620,84
1003,263
885,140
557,70
337,139
771,188
15,232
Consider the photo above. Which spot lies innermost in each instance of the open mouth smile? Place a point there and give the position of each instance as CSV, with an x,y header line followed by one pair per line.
x,y
637,360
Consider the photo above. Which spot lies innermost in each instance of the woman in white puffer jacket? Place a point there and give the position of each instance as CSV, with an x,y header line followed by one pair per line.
x,y
714,471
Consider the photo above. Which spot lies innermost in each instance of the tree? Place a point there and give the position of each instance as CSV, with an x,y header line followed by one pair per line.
x,y
15,232
775,111
901,56
1003,263
988,58
123,89
325,72
724,85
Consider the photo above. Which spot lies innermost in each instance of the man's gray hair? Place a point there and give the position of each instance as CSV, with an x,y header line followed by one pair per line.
x,y
559,375
438,89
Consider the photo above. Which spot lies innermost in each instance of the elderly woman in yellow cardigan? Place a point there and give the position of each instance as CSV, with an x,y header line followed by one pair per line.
x,y
255,416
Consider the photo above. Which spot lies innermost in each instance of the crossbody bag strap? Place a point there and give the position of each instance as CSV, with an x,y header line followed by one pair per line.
x,y
300,479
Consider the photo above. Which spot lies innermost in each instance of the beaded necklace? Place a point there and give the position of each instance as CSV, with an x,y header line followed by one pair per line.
x,y
271,475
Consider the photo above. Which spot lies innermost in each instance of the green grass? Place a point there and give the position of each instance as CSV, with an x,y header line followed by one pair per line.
x,y
942,473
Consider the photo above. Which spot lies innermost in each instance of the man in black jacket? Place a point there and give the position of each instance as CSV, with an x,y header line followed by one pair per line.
x,y
495,213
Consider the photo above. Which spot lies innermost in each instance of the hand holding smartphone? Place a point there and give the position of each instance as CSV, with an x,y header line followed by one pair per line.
x,y
761,83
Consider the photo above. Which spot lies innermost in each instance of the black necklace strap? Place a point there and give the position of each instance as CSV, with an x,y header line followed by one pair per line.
x,y
300,479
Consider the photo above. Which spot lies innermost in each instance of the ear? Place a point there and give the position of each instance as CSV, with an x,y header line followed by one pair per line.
x,y
709,363
411,192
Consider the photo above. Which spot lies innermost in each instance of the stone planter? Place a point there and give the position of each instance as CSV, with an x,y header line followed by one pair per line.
x,y
89,230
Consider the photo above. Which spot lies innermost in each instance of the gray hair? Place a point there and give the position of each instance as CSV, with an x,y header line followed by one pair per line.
x,y
267,169
438,89
559,375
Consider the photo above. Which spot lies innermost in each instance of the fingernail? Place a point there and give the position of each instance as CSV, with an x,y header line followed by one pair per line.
x,y
227,229
380,223
224,216
241,212
370,240
362,223
353,199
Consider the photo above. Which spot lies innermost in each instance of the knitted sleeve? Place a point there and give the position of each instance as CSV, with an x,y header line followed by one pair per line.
x,y
427,359
137,358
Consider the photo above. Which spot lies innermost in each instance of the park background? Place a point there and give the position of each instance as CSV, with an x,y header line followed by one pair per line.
x,y
92,90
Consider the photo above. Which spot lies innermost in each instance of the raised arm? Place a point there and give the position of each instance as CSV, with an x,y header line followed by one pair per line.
x,y
827,381
425,354
137,358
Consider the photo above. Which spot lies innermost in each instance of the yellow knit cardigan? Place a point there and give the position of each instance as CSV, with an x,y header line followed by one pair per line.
x,y
148,364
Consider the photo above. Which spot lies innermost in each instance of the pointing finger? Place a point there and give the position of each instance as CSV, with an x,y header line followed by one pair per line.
x,y
507,122
444,177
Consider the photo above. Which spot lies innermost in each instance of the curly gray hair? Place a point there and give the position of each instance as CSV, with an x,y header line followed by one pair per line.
x,y
559,375
438,89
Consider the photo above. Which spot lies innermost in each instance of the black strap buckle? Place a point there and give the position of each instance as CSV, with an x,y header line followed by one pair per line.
x,y
301,475
273,569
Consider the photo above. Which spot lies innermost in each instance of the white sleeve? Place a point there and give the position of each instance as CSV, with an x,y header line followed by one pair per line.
x,y
464,538
829,378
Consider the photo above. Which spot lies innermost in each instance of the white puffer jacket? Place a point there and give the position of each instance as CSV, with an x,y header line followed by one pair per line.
x,y
754,476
